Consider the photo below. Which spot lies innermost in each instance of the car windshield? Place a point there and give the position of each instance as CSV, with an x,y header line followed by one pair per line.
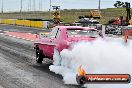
x,y
82,33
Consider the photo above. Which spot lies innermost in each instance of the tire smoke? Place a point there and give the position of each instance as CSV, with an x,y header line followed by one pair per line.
x,y
97,57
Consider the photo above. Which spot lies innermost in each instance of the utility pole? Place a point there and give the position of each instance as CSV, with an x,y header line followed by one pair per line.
x,y
34,5
2,6
29,5
99,5
21,6
40,5
50,9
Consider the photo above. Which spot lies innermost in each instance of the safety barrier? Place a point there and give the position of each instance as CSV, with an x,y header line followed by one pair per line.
x,y
7,21
27,23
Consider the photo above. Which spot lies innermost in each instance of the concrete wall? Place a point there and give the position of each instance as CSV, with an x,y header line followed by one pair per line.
x,y
27,23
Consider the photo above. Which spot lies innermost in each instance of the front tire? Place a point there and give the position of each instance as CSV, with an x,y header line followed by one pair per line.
x,y
39,55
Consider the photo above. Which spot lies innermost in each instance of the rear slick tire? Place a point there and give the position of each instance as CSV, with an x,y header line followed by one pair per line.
x,y
39,56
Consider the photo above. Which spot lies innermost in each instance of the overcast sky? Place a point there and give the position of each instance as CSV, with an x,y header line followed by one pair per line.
x,y
14,5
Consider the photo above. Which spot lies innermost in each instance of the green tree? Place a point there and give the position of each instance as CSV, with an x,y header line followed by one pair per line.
x,y
119,4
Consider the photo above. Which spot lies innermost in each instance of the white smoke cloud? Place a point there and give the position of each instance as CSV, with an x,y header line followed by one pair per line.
x,y
97,57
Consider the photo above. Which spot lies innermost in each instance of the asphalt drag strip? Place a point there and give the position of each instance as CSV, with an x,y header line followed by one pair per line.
x,y
18,68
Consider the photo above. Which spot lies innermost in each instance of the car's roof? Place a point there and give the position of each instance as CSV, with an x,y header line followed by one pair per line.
x,y
78,27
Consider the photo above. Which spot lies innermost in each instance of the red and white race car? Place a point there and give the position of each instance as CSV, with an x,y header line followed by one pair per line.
x,y
61,37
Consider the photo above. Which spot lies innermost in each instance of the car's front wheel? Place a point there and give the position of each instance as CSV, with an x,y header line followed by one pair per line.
x,y
39,55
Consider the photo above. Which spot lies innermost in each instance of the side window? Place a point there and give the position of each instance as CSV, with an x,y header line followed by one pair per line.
x,y
53,33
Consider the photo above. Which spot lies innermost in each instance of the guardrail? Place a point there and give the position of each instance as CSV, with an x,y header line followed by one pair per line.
x,y
27,23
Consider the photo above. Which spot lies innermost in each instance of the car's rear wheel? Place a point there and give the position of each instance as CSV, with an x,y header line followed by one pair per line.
x,y
39,55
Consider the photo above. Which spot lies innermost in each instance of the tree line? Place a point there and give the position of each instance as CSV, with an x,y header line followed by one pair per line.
x,y
120,4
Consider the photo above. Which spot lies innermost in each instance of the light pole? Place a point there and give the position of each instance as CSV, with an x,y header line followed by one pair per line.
x,y
21,6
2,6
99,6
34,5
50,10
40,5
29,5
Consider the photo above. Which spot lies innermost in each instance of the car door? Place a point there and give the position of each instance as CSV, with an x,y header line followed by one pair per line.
x,y
52,42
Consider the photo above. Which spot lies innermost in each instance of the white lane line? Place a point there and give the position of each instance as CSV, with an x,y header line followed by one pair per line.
x,y
10,35
23,38
18,37
32,40
13,36
29,33
1,33
28,39
6,31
